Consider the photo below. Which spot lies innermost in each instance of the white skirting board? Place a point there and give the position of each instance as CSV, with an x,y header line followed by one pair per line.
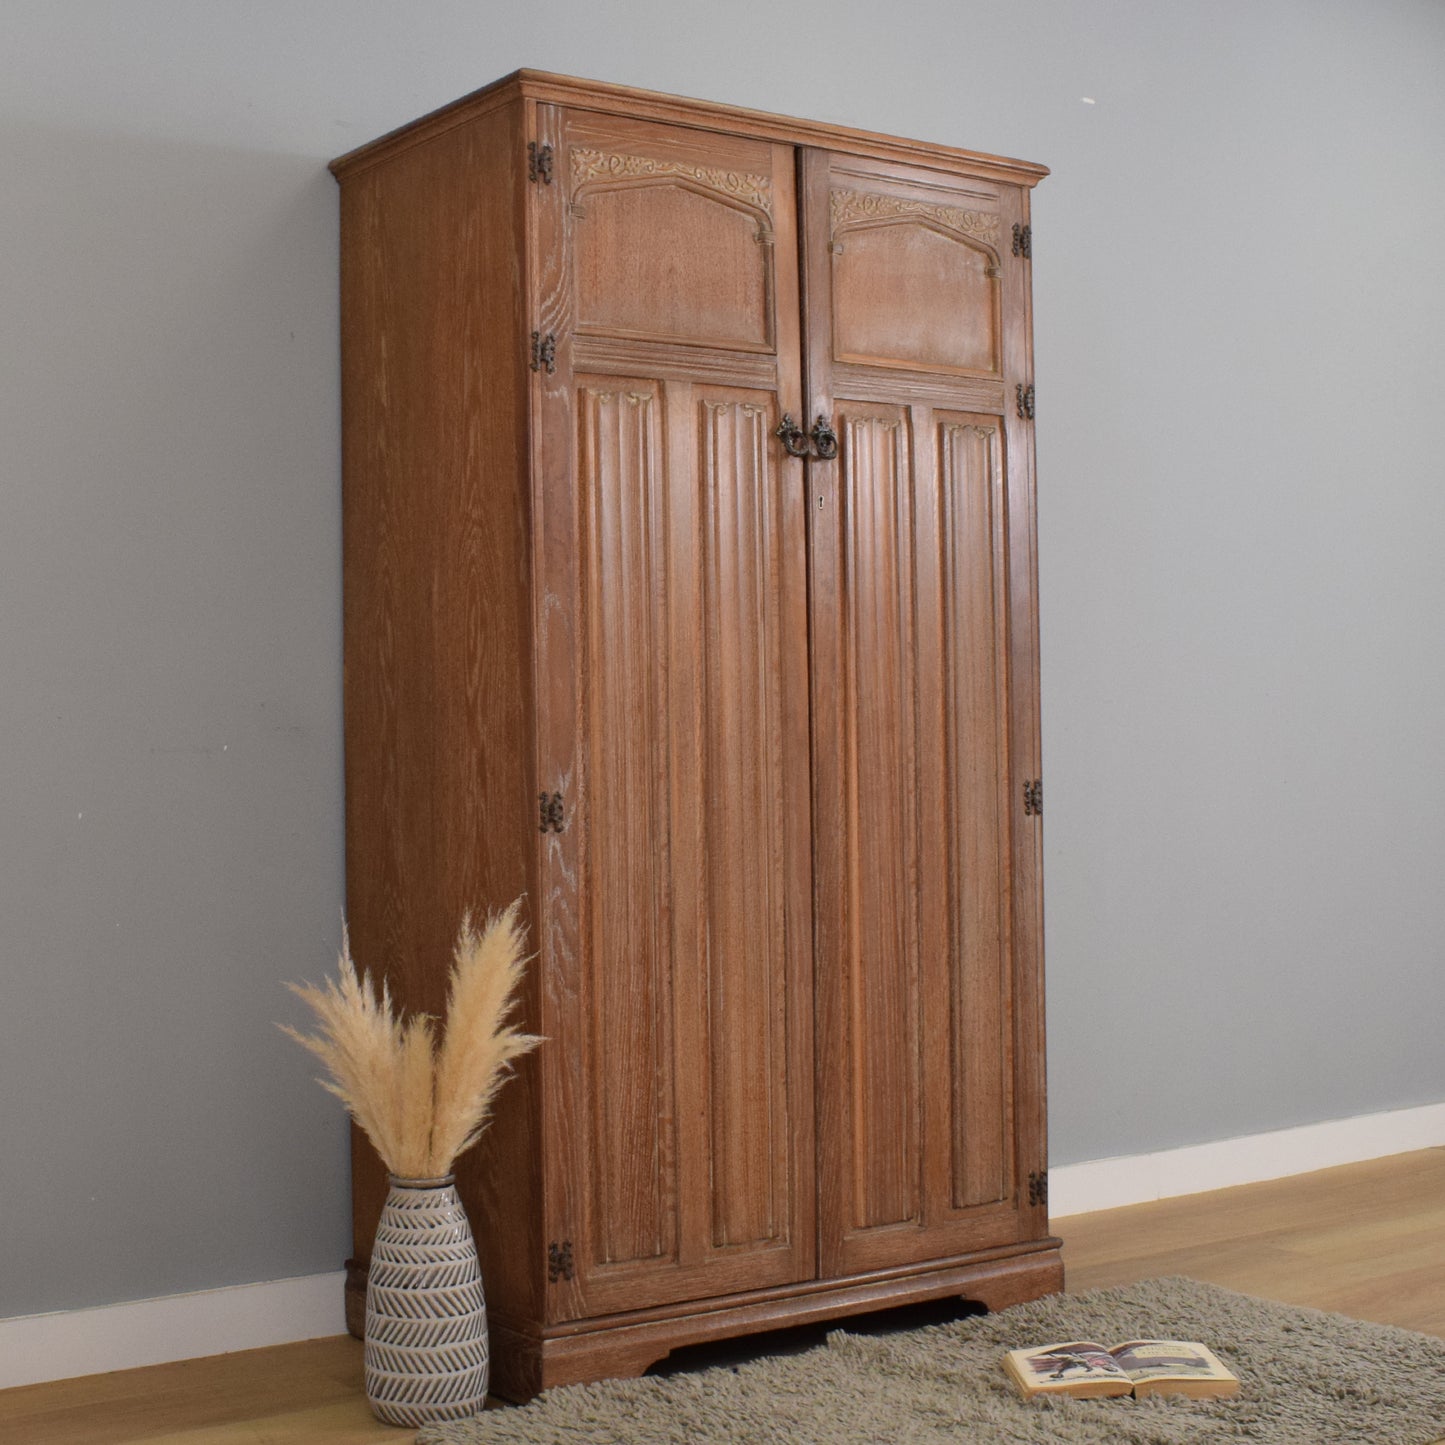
x,y
176,1327
34,1348
1138,1178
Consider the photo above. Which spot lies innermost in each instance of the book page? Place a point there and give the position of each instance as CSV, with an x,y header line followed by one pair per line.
x,y
1172,1359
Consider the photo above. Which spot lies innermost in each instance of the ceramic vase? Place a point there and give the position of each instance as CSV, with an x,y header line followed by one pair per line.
x,y
426,1352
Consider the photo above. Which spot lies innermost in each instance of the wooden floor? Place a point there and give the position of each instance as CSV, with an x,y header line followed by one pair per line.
x,y
1367,1240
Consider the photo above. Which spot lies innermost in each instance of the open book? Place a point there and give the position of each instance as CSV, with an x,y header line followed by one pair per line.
x,y
1138,1367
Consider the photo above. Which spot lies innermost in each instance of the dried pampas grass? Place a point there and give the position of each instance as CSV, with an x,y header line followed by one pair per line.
x,y
477,1056
422,1105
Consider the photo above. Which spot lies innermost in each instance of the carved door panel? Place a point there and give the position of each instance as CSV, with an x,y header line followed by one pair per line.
x,y
930,1104
672,624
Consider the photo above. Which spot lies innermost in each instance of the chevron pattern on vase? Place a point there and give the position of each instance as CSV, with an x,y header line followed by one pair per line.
x,y
426,1356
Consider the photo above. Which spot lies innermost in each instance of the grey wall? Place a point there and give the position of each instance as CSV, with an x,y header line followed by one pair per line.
x,y
1240,360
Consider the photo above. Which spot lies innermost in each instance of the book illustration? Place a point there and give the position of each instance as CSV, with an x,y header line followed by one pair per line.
x,y
1064,1362
1085,1369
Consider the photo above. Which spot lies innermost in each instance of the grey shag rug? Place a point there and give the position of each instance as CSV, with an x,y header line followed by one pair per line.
x,y
1308,1379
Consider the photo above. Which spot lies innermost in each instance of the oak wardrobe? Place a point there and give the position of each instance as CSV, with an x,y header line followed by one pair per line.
x,y
690,593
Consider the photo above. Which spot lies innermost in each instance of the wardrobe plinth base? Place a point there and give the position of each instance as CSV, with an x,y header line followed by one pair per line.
x,y
620,1346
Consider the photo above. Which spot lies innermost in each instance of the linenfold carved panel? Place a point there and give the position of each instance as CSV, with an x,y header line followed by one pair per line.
x,y
665,801
971,501
628,1009
882,962
741,811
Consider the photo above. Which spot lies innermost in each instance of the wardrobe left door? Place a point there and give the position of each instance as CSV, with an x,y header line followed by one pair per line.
x,y
675,921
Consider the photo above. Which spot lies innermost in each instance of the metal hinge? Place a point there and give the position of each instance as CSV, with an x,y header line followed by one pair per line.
x,y
553,818
1034,798
560,1264
539,165
544,352
1024,241
1025,398
1039,1187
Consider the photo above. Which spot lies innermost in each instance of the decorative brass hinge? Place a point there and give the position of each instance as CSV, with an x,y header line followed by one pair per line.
x,y
1039,1187
539,164
1024,241
544,352
1034,798
560,1264
1025,398
553,818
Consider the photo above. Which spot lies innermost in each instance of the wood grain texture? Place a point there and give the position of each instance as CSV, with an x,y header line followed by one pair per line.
x,y
309,1392
927,1136
884,259
970,469
1367,1239
628,779
629,1345
781,705
745,912
675,717
879,685
1025,905
636,275
440,777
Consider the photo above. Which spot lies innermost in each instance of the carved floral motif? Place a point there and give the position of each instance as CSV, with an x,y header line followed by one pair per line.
x,y
851,206
590,165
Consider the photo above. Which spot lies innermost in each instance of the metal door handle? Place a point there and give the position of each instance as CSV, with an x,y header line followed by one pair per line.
x,y
795,440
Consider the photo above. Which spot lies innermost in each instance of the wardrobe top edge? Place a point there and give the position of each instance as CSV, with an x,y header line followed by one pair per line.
x,y
541,85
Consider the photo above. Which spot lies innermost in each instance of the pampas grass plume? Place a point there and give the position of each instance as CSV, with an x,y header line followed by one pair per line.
x,y
479,1046
420,1105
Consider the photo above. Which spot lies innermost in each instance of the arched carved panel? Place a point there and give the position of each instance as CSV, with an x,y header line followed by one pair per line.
x,y
915,284
670,251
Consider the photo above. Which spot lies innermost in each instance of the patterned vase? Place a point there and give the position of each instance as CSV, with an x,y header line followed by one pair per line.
x,y
426,1321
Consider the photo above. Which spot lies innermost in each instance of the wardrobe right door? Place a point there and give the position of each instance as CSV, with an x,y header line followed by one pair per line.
x,y
929,1038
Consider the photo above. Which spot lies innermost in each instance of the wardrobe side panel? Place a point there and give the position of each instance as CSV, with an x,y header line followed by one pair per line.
x,y
441,796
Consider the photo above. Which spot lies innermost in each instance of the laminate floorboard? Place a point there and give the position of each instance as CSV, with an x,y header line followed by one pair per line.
x,y
1366,1240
